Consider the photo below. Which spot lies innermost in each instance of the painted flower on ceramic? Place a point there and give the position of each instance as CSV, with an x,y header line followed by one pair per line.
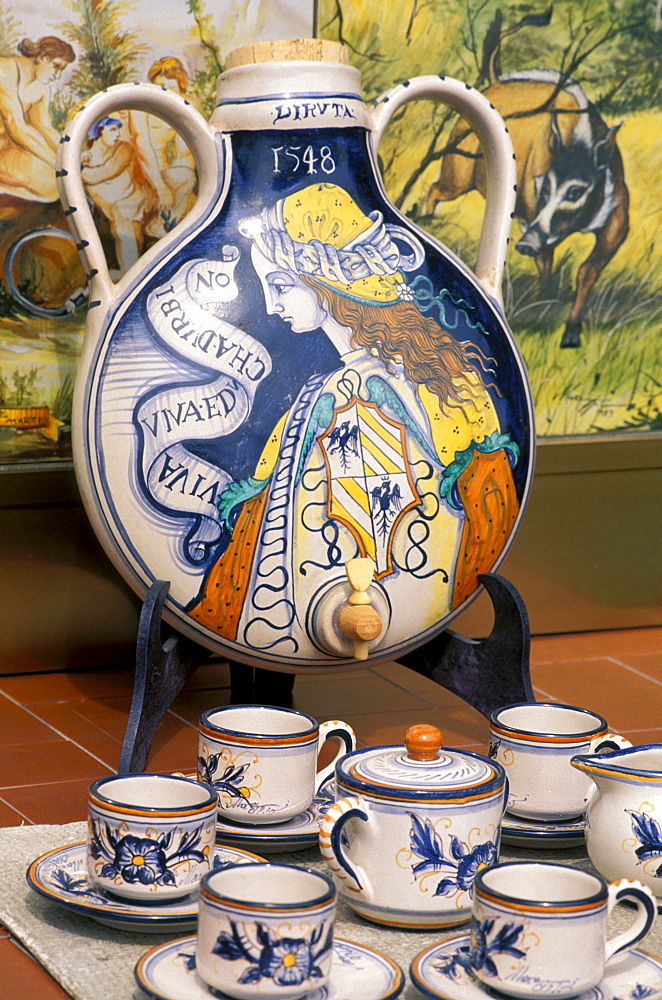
x,y
485,944
404,292
464,861
286,961
74,883
229,782
649,835
640,992
143,859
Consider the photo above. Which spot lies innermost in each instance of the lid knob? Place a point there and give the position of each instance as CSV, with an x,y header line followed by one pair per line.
x,y
423,742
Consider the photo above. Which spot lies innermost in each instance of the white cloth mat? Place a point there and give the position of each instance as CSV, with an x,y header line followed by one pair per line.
x,y
90,960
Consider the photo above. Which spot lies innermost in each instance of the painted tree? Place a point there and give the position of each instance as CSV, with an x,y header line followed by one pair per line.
x,y
10,32
203,85
106,51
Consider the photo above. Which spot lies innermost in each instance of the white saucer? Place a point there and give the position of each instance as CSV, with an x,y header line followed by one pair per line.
x,y
168,973
438,972
61,876
297,834
519,832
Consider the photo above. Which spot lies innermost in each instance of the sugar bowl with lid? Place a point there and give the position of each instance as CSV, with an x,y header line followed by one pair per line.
x,y
411,827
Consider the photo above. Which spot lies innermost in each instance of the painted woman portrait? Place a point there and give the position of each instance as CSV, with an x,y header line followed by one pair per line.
x,y
28,140
397,454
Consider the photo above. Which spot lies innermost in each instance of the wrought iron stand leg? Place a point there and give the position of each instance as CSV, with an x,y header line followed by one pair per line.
x,y
486,673
490,672
162,669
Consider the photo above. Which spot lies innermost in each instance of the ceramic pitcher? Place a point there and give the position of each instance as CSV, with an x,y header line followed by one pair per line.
x,y
296,376
624,813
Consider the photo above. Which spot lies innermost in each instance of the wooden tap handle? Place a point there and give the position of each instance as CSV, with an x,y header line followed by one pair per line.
x,y
357,620
423,742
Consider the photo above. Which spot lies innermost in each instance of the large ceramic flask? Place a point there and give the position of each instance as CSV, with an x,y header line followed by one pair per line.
x,y
295,376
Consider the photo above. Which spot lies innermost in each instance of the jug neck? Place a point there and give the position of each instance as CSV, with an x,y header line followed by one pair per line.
x,y
292,94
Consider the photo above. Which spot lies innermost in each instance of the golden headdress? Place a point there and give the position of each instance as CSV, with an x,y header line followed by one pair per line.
x,y
321,231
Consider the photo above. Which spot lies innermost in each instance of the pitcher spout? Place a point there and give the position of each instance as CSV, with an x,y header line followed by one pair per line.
x,y
634,764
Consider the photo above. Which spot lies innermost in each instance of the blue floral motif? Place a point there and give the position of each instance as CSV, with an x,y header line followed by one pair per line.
x,y
640,992
75,884
648,833
286,961
501,943
229,780
465,862
189,960
143,859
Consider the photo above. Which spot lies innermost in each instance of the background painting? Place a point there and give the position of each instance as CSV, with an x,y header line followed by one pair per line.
x,y
610,382
139,176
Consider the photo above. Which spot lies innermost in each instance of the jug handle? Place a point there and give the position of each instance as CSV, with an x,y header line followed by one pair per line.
x,y
330,840
328,731
147,97
608,743
497,149
644,900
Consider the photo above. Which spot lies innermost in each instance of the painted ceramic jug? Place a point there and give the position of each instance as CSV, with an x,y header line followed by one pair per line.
x,y
411,827
295,376
624,813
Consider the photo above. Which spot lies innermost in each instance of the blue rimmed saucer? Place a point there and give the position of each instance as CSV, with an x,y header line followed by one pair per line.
x,y
440,971
61,877
297,834
167,972
531,833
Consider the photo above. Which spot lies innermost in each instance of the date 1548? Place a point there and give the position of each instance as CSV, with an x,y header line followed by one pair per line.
x,y
308,160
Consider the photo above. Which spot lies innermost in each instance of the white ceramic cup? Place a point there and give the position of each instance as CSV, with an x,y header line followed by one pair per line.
x,y
535,742
150,836
262,760
541,929
265,931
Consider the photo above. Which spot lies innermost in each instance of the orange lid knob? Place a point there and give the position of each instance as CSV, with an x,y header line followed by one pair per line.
x,y
423,742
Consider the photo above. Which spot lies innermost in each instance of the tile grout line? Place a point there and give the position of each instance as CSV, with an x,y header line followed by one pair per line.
x,y
21,814
57,731
639,673
399,687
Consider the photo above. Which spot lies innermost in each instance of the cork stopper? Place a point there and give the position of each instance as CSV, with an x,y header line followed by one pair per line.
x,y
423,742
289,50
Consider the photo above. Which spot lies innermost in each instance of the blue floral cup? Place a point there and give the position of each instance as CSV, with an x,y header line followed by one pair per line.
x,y
150,836
265,931
540,929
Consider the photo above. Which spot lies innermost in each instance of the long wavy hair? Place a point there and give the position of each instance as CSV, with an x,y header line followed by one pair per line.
x,y
401,334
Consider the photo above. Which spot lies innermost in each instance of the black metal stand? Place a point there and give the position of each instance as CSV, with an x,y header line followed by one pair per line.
x,y
486,673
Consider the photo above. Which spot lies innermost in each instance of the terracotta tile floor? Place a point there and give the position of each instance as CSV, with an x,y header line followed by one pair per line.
x,y
60,731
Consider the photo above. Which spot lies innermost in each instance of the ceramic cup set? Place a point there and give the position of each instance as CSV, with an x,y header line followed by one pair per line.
x,y
150,837
535,743
265,931
541,929
262,760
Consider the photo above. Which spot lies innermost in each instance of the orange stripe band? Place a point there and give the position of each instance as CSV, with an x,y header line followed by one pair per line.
x,y
114,808
237,739
532,907
543,738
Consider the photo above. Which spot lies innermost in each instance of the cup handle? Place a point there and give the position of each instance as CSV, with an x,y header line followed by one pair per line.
x,y
328,731
611,741
646,905
331,840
